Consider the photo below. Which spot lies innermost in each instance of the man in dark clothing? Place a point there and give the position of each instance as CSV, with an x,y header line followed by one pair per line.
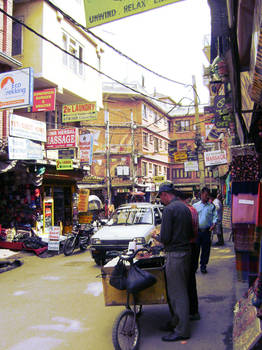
x,y
176,232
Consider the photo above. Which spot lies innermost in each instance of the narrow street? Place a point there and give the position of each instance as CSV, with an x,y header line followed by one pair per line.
x,y
57,303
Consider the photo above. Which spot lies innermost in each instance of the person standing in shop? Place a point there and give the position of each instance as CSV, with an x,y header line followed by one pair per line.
x,y
207,218
175,234
219,228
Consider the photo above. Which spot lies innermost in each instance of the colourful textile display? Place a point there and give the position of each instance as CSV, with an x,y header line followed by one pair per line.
x,y
244,237
244,208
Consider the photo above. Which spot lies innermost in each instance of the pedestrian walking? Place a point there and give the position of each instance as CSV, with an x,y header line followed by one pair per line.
x,y
207,218
218,230
192,284
175,234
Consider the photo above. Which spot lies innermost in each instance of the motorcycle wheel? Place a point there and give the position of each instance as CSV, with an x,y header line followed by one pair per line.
x,y
126,331
84,246
69,245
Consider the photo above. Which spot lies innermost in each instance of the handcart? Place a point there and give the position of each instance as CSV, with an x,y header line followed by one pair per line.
x,y
126,330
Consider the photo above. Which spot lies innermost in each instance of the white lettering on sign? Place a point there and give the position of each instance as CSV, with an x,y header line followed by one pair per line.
x,y
246,201
215,158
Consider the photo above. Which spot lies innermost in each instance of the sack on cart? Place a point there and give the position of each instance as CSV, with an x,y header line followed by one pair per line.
x,y
139,279
118,276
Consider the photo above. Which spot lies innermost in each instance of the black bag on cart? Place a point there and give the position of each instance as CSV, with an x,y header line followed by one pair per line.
x,y
139,279
119,276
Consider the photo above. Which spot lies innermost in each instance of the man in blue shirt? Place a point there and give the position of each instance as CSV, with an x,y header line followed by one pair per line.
x,y
207,218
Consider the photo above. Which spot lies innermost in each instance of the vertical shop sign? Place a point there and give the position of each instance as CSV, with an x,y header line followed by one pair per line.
x,y
54,238
16,88
86,148
44,100
83,200
48,214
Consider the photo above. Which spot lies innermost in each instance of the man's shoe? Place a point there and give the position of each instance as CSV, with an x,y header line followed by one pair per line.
x,y
195,317
167,327
173,337
218,244
203,269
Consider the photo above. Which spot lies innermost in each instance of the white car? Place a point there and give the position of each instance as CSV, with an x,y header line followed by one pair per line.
x,y
128,222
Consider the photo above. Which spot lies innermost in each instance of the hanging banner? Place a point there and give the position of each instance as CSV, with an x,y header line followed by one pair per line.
x,y
215,158
86,148
83,200
16,88
104,11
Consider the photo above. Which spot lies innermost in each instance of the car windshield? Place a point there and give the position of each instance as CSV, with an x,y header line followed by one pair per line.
x,y
131,216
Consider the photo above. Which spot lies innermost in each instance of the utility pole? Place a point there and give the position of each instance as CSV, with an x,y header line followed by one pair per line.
x,y
199,144
108,177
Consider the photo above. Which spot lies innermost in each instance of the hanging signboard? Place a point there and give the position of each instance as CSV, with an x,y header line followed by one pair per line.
x,y
62,138
44,100
191,166
64,164
83,200
86,148
79,112
215,158
66,153
54,238
103,11
159,179
16,88
180,156
27,128
48,214
19,148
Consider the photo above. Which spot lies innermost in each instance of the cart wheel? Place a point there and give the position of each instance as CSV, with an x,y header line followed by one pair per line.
x,y
126,331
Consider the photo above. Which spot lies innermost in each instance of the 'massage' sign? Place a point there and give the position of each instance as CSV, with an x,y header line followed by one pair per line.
x,y
103,11
215,158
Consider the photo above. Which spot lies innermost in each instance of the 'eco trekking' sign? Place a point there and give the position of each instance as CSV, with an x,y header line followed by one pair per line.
x,y
103,11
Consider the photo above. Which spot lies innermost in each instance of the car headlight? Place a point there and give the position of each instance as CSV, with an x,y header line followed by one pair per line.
x,y
140,240
96,241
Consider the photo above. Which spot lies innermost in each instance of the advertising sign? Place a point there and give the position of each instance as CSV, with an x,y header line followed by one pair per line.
x,y
64,164
44,100
16,88
54,238
191,166
83,200
62,138
79,112
159,179
66,153
19,148
27,128
86,148
103,11
215,158
180,156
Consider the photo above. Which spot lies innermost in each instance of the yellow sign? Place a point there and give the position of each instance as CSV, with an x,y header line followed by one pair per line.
x,y
64,164
104,11
159,179
83,200
180,156
79,112
85,218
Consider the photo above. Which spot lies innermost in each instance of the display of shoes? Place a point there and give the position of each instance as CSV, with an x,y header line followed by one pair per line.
x,y
174,337
195,317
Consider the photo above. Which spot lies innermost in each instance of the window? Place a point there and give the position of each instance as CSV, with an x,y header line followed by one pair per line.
x,y
182,125
151,139
166,146
74,61
144,111
145,139
156,145
155,170
160,143
17,43
159,169
144,169
150,166
181,174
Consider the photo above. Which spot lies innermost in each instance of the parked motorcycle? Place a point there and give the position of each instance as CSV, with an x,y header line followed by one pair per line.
x,y
80,237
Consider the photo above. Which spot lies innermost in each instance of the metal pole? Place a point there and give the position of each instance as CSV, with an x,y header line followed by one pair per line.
x,y
108,177
201,166
132,151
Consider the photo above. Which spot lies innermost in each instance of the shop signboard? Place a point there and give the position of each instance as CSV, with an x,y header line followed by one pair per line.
x,y
64,164
54,238
180,156
44,100
48,214
79,112
19,148
86,148
62,138
83,200
222,116
159,179
191,166
27,128
66,153
215,158
16,88
104,11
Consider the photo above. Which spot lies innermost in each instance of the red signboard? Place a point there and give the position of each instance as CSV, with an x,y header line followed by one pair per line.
x,y
44,100
61,138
